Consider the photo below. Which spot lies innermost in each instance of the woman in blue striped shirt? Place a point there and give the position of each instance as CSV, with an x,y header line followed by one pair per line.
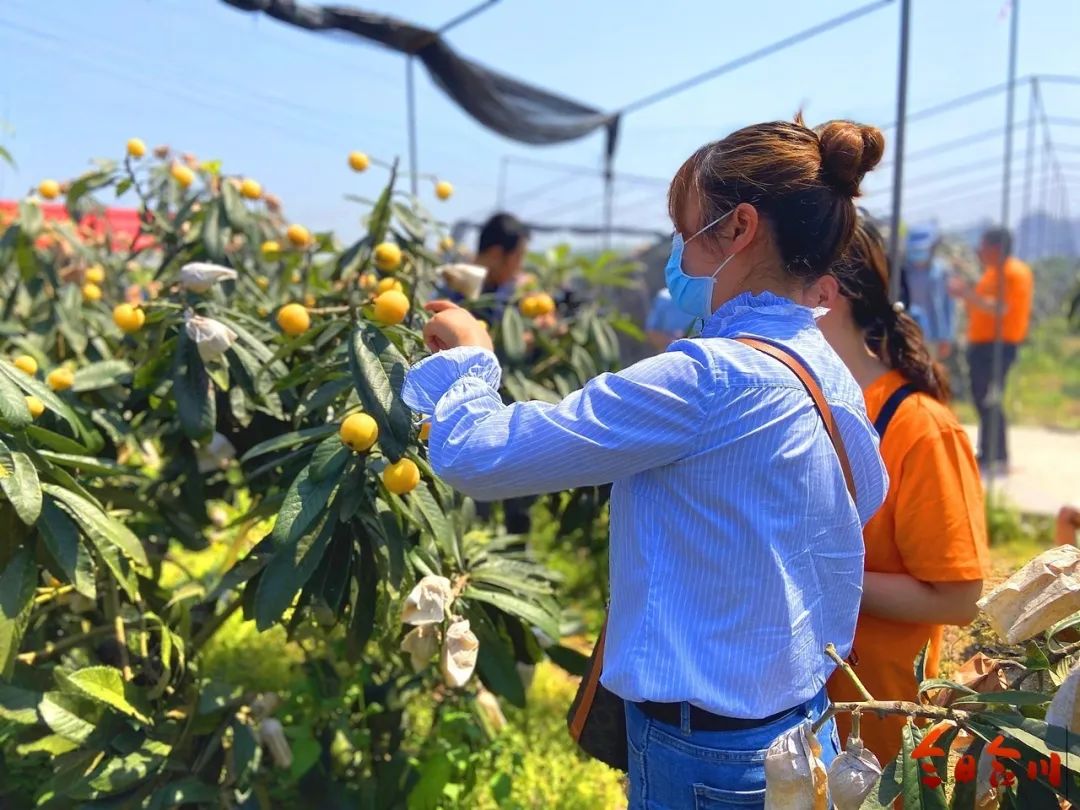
x,y
736,549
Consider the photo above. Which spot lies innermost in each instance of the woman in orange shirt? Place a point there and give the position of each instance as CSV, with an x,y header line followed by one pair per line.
x,y
926,547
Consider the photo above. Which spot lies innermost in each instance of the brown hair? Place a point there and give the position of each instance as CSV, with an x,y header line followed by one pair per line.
x,y
801,182
891,334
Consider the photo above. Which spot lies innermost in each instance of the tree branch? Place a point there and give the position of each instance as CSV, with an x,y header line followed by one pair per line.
x,y
895,707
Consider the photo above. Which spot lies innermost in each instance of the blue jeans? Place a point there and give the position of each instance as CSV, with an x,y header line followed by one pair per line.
x,y
676,769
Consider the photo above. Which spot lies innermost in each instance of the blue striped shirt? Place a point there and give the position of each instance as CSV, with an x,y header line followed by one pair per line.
x,y
736,551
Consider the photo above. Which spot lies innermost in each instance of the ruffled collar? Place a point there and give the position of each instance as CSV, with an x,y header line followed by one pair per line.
x,y
730,318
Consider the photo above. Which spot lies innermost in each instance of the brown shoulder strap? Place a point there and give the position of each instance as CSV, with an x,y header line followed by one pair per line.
x,y
822,405
589,684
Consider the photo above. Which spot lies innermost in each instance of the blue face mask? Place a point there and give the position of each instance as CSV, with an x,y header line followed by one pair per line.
x,y
692,294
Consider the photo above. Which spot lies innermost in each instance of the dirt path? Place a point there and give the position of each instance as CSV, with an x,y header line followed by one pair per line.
x,y
1046,473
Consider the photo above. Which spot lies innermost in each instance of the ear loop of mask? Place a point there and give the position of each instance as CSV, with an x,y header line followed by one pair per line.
x,y
702,230
699,323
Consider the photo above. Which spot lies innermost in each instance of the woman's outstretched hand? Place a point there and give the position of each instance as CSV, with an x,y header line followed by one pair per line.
x,y
453,326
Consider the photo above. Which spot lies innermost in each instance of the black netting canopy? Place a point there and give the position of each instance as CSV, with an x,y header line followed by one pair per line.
x,y
510,107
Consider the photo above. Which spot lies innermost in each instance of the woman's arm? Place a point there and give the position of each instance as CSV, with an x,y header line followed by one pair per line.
x,y
900,597
939,529
646,416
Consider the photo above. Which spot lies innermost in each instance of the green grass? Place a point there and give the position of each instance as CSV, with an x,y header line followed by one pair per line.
x,y
1044,386
536,765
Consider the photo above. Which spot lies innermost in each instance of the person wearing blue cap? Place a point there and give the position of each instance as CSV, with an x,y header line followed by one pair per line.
x,y
927,278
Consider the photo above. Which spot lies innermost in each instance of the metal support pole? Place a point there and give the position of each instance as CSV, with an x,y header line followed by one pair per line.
x,y
997,381
609,198
898,151
1025,228
504,169
410,102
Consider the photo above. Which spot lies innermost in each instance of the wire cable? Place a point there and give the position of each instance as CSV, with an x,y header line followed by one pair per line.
x,y
753,56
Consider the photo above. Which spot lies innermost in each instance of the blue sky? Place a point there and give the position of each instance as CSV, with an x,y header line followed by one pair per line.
x,y
286,106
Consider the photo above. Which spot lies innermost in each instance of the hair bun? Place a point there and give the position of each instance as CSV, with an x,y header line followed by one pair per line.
x,y
848,152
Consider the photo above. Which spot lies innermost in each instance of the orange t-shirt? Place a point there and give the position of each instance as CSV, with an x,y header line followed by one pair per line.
x,y
932,526
1019,289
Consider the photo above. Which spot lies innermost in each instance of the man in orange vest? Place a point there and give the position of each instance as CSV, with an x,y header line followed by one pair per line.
x,y
983,328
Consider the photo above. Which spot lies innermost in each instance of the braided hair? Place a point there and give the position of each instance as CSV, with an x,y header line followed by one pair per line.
x,y
891,334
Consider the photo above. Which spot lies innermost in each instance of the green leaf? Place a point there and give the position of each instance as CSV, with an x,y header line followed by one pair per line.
x,y
13,409
289,570
628,327
1034,738
55,441
18,705
381,212
304,503
306,751
105,685
105,374
61,538
963,792
236,212
495,659
88,464
94,521
503,576
33,387
323,395
543,616
501,787
389,541
17,584
1036,658
362,619
410,220
583,363
568,659
888,788
331,580
522,388
52,744
442,530
120,774
70,716
212,235
246,752
354,490
289,441
187,791
329,459
607,344
512,334
920,663
19,482
1011,697
378,370
1033,795
82,186
112,540
934,684
435,773
918,796
193,391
